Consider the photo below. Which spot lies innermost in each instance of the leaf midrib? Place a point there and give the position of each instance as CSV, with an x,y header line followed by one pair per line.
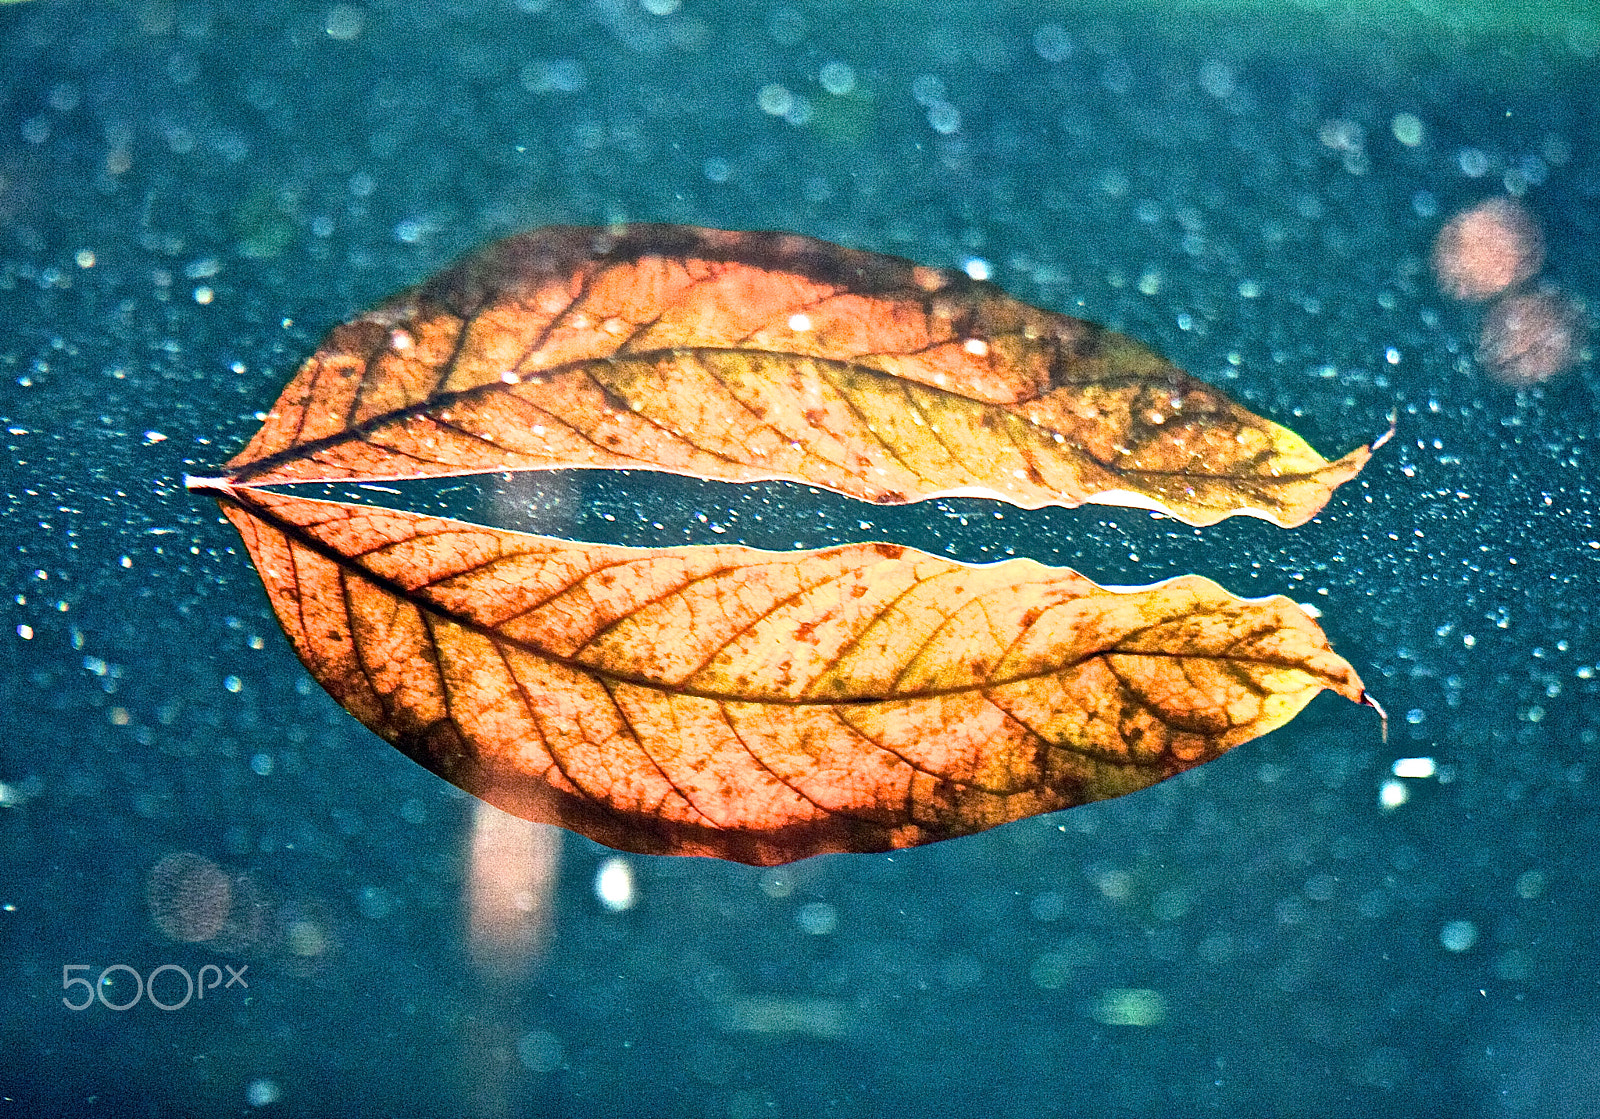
x,y
306,539
297,452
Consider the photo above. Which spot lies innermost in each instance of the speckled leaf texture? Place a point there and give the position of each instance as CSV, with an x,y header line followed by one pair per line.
x,y
765,706
759,706
746,356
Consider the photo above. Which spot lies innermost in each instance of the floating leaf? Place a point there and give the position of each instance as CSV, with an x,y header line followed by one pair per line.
x,y
744,356
764,706
752,705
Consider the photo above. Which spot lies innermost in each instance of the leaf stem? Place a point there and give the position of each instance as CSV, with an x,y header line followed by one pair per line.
x,y
196,484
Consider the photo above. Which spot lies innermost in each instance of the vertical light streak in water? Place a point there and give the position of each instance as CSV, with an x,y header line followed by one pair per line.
x,y
512,866
512,869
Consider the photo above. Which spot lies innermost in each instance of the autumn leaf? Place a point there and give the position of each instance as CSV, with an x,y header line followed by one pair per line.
x,y
751,705
745,356
767,706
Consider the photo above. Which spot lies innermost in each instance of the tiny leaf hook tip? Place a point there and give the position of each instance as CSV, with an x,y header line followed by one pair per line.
x,y
1383,716
1394,422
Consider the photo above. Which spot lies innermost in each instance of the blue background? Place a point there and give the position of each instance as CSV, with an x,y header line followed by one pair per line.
x,y
1142,167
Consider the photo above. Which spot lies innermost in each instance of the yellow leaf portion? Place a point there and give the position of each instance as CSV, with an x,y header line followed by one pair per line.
x,y
764,706
745,356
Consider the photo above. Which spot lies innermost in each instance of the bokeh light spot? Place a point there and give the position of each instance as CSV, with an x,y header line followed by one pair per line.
x,y
1531,337
1485,250
190,897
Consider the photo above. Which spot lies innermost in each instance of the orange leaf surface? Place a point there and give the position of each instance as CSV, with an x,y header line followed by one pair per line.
x,y
744,356
762,706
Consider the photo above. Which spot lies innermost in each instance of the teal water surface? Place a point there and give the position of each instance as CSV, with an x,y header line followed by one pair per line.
x,y
192,193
